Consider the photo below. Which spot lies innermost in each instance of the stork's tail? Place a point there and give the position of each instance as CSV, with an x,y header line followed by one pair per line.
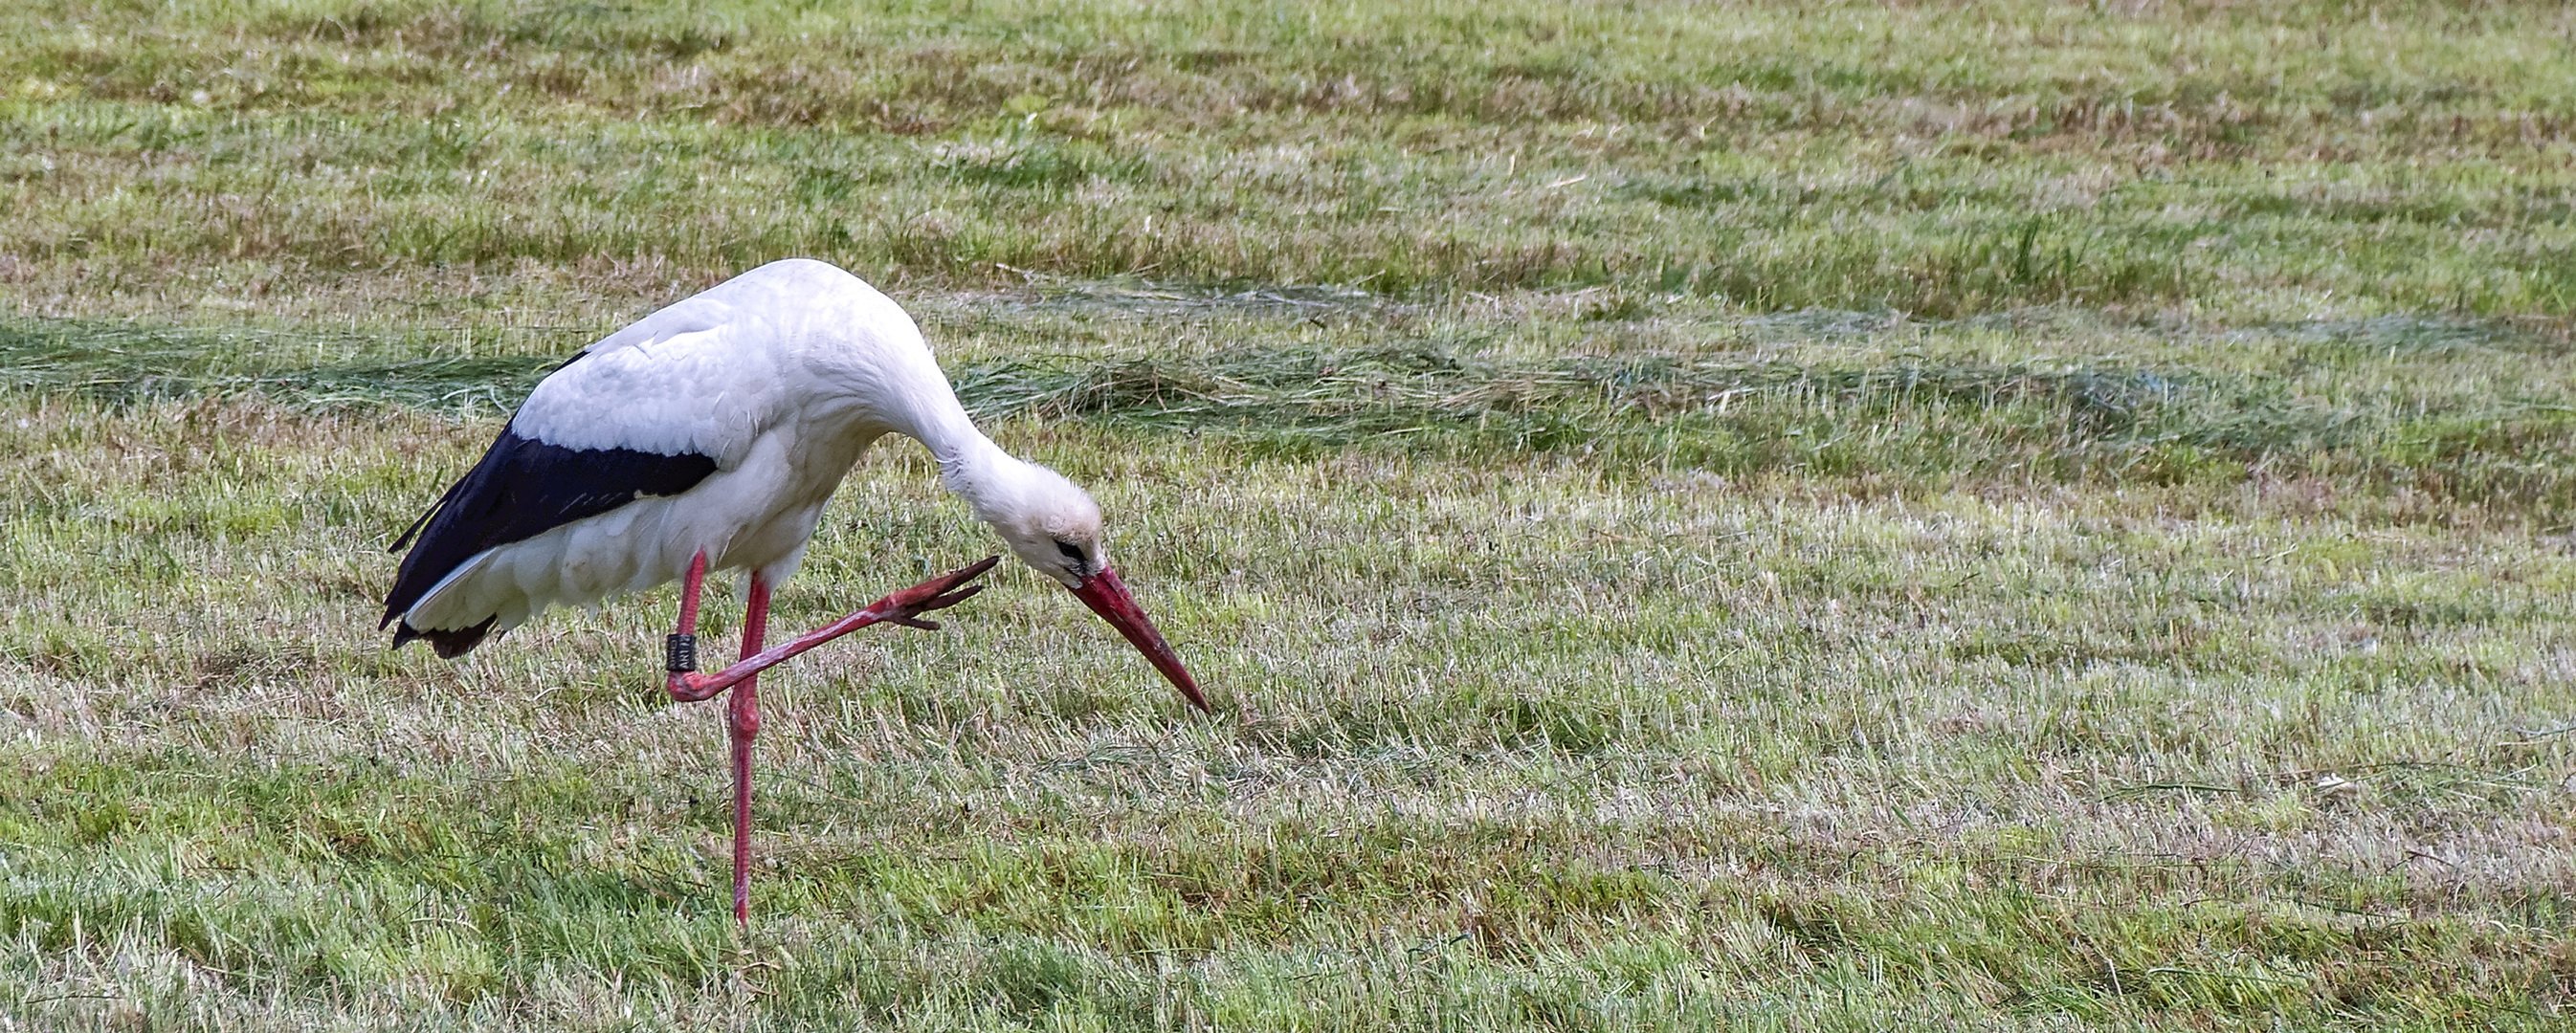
x,y
448,643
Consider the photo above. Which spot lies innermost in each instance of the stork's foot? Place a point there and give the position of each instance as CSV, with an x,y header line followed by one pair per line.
x,y
904,608
939,593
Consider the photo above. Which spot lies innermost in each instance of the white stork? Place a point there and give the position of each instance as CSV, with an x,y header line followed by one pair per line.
x,y
707,436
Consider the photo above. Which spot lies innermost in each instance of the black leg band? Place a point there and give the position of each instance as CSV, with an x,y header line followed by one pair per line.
x,y
680,654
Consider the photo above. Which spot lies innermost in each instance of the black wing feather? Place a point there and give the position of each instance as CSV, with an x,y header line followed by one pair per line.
x,y
522,488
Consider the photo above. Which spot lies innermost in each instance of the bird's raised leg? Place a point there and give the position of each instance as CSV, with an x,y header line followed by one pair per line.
x,y
680,651
744,719
904,608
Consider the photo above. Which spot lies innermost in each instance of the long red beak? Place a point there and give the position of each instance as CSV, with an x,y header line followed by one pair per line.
x,y
1107,596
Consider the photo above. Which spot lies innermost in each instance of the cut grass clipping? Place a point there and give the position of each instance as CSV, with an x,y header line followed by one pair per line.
x,y
1907,416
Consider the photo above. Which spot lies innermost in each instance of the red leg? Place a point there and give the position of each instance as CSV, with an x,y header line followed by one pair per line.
x,y
745,715
904,607
689,588
683,660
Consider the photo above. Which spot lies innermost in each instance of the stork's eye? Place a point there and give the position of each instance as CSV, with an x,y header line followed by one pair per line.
x,y
1071,551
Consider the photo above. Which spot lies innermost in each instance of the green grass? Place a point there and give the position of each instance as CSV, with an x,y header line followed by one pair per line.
x,y
1694,516
2239,161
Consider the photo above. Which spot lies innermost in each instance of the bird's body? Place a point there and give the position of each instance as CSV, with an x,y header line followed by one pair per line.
x,y
721,424
708,436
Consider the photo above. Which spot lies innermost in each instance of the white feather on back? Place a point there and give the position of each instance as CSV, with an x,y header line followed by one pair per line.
x,y
696,390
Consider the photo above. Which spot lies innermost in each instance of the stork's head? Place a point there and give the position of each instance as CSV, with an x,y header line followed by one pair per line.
x,y
1053,525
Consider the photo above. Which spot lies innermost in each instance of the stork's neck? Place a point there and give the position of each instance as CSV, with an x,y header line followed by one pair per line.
x,y
978,471
879,363
970,464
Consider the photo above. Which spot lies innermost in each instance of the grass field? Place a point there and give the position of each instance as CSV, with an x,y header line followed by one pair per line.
x,y
2029,516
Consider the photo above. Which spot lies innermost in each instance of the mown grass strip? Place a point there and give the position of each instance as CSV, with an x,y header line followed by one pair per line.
x,y
1332,397
1910,415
